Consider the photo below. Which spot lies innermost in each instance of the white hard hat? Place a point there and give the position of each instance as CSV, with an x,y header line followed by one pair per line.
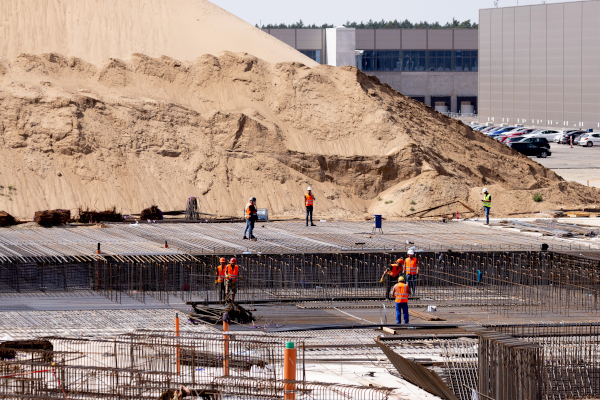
x,y
309,188
411,252
484,190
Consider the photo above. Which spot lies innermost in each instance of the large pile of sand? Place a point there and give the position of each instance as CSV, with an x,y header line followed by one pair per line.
x,y
157,131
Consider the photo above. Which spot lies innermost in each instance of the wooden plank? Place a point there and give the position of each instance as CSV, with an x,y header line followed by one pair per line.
x,y
426,317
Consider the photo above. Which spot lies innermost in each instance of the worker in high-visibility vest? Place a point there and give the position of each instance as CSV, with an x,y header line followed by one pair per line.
x,y
309,200
220,282
231,279
487,203
411,270
251,215
392,276
400,293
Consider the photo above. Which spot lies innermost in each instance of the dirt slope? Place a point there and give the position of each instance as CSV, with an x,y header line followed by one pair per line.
x,y
95,30
157,130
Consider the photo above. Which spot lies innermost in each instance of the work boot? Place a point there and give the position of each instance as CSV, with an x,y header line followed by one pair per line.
x,y
253,238
311,224
244,238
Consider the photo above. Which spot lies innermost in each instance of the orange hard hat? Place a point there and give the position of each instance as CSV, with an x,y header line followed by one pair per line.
x,y
222,259
233,260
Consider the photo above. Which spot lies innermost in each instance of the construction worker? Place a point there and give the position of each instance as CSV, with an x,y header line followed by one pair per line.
x,y
220,282
487,203
231,279
411,269
251,217
309,200
392,276
401,292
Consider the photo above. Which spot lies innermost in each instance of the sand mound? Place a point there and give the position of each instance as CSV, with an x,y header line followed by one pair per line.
x,y
223,128
96,30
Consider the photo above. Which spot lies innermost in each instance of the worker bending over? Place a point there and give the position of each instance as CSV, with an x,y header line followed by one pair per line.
x,y
411,269
309,200
231,280
251,217
401,292
220,282
487,203
392,276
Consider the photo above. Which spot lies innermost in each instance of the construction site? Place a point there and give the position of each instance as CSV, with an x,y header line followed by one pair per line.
x,y
111,107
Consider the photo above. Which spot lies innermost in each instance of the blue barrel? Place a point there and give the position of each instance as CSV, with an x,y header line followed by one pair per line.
x,y
377,221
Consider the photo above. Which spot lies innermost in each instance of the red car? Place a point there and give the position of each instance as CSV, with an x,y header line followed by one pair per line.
x,y
516,132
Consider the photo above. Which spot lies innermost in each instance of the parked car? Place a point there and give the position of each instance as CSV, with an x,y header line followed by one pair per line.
x,y
488,128
509,140
565,138
538,141
545,133
589,139
516,133
501,131
530,149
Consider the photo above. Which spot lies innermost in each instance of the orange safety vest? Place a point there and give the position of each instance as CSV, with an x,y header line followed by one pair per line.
x,y
309,200
401,292
232,273
396,269
221,273
248,211
411,266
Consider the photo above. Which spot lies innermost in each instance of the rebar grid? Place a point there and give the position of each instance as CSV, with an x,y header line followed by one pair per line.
x,y
460,361
145,366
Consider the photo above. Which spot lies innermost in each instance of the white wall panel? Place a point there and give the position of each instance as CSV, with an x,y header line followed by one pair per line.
x,y
590,64
496,64
572,64
522,64
508,55
555,64
484,74
537,78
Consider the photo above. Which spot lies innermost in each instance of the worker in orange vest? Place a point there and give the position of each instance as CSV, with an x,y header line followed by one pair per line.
x,y
231,279
411,269
401,292
392,276
309,200
251,215
220,282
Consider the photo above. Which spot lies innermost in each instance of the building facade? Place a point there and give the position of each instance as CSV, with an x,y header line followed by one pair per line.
x,y
436,66
540,65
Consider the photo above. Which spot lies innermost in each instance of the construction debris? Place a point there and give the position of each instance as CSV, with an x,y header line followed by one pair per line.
x,y
52,217
88,216
191,209
151,213
551,228
214,315
424,316
6,219
449,213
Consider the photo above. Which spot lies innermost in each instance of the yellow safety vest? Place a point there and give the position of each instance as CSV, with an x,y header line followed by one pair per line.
x,y
487,200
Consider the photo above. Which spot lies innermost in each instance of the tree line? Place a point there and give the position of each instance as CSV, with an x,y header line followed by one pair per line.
x,y
395,24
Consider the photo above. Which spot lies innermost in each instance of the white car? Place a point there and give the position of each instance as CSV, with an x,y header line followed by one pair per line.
x,y
549,134
590,139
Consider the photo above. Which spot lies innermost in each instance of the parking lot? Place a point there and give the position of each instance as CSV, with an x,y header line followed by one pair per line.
x,y
579,164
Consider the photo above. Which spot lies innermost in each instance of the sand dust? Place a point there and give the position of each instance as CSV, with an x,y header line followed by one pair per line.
x,y
223,128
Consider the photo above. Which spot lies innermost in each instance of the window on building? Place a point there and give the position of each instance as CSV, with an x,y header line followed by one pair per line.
x,y
466,60
414,60
440,60
314,54
378,60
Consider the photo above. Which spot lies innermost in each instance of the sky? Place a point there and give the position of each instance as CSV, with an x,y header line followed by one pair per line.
x,y
337,12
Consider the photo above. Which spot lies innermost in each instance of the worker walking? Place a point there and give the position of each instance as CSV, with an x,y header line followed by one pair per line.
x,y
220,282
392,276
251,216
411,269
231,279
487,203
309,200
401,292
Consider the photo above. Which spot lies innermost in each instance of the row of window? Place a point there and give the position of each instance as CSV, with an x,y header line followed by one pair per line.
x,y
416,60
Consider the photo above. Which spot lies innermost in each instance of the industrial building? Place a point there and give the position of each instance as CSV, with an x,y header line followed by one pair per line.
x,y
540,65
436,66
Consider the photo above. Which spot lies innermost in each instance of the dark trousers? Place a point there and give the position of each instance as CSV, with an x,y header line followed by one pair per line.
x,y
391,281
309,210
249,228
401,308
411,281
486,210
221,289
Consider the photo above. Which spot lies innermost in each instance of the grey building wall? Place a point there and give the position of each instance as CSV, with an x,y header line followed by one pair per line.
x,y
540,65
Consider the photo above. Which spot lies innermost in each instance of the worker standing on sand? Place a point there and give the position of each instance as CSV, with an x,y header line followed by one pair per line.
x,y
309,200
392,276
487,203
231,279
401,292
251,217
221,277
411,269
